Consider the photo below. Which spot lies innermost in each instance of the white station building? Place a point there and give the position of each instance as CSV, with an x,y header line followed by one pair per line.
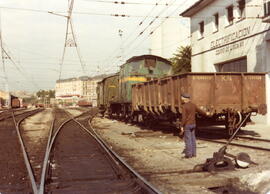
x,y
169,37
231,36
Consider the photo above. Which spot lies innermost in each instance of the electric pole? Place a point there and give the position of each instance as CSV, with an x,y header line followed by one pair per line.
x,y
5,56
70,38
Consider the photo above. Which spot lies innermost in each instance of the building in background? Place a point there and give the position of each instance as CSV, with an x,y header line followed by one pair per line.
x,y
4,97
70,91
171,35
231,36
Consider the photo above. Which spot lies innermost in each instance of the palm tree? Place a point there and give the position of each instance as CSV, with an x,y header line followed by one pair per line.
x,y
181,62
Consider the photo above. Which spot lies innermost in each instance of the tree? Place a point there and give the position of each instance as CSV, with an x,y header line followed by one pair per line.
x,y
46,94
181,62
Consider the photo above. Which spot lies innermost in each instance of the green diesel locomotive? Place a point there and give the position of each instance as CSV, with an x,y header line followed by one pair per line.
x,y
114,92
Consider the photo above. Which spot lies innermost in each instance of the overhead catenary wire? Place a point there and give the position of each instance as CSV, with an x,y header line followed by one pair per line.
x,y
132,33
128,3
5,55
119,15
151,23
146,3
4,65
154,29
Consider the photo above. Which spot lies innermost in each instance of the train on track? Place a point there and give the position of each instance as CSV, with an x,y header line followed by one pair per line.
x,y
143,91
14,102
84,103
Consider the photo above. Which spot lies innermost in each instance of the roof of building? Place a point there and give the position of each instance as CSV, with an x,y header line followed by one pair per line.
x,y
200,4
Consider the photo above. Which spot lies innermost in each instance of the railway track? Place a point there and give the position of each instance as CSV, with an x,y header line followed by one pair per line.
x,y
6,114
236,144
77,160
14,173
253,138
238,140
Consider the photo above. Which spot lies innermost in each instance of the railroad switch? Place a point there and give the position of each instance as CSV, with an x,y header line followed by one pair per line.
x,y
222,160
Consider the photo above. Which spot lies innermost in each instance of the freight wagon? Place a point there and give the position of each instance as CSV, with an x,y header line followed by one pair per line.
x,y
15,102
229,97
84,103
107,92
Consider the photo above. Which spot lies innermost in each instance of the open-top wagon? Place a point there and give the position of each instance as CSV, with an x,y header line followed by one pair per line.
x,y
229,97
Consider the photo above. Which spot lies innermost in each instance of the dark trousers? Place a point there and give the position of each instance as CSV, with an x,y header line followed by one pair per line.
x,y
190,140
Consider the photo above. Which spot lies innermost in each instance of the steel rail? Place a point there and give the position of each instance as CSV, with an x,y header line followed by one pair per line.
x,y
4,118
237,136
253,138
234,144
25,156
46,159
111,153
50,143
142,181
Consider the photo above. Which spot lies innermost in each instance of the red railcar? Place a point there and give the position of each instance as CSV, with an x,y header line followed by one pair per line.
x,y
84,103
15,103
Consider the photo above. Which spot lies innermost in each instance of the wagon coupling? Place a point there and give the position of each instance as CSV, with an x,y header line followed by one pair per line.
x,y
224,161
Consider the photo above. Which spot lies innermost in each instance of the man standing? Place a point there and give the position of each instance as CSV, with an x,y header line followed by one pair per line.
x,y
188,125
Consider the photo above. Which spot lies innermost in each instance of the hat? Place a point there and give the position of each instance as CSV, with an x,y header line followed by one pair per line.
x,y
185,95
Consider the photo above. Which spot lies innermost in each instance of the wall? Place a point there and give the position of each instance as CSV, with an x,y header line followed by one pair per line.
x,y
248,37
169,36
268,98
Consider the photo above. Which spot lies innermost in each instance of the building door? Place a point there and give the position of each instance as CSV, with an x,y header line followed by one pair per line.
x,y
239,65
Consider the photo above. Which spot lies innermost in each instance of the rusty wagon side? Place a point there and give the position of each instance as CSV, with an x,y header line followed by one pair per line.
x,y
228,96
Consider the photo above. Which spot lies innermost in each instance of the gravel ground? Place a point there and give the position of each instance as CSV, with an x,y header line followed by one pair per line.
x,y
157,156
76,111
35,131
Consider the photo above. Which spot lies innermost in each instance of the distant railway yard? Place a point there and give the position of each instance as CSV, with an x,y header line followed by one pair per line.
x,y
76,150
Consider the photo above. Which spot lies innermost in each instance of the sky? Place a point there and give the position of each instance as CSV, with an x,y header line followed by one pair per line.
x,y
34,38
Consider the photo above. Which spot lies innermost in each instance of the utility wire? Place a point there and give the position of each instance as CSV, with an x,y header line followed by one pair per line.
x,y
119,15
5,55
142,32
127,3
132,33
143,3
151,23
154,29
4,66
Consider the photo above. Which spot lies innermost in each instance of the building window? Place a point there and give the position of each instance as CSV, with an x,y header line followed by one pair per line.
x,y
201,28
230,14
239,65
266,8
242,6
216,22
